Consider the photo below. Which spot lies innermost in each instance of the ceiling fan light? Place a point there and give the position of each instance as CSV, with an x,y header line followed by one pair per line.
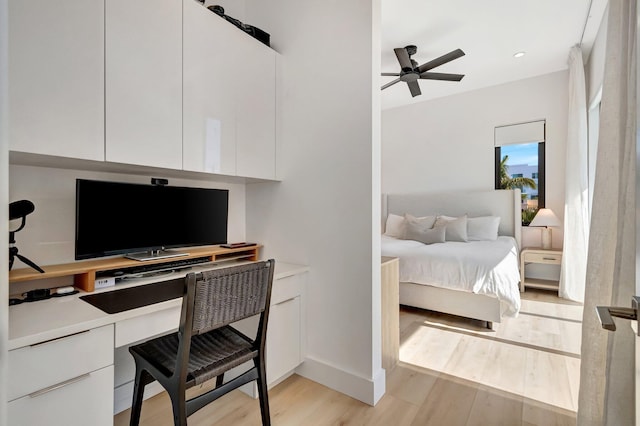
x,y
519,54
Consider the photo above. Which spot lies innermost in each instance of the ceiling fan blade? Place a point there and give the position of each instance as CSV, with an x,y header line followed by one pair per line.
x,y
455,54
390,74
414,88
391,83
441,76
403,58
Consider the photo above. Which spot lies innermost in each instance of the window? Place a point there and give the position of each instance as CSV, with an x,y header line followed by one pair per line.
x,y
519,163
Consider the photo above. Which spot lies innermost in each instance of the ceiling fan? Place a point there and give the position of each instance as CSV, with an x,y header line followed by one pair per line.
x,y
411,72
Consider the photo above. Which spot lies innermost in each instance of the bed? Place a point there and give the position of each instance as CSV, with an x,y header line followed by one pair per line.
x,y
476,279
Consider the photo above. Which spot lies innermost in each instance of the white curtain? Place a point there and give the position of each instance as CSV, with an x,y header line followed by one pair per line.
x,y
607,371
576,213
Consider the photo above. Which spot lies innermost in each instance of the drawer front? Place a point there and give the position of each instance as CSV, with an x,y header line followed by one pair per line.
x,y
286,288
39,366
83,400
146,326
552,258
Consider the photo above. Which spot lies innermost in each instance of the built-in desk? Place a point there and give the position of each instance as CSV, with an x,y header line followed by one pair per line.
x,y
61,351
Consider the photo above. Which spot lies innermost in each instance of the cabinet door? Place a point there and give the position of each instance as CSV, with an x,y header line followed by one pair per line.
x,y
283,338
144,82
56,77
209,134
82,400
256,109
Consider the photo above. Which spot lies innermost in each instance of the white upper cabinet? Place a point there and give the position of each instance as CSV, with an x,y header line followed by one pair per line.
x,y
144,82
209,134
256,109
229,98
159,83
56,77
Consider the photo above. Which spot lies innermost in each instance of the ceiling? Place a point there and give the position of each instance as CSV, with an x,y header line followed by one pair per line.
x,y
490,32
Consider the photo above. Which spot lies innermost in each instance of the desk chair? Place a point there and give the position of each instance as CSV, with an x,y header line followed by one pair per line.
x,y
206,346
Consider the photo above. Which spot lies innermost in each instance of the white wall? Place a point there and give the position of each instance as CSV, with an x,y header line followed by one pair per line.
x,y
447,143
49,235
321,213
4,212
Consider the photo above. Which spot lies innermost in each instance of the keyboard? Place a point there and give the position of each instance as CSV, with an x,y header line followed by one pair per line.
x,y
157,267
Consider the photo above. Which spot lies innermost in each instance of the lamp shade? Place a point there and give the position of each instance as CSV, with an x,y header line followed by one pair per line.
x,y
545,217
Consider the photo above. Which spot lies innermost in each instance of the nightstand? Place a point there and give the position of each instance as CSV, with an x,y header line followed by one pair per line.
x,y
538,255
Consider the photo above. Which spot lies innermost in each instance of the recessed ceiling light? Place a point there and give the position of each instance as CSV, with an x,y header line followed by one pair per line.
x,y
519,54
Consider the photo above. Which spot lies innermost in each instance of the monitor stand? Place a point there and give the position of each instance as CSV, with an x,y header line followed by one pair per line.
x,y
154,254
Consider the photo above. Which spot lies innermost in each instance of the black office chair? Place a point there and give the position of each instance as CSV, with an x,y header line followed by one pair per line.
x,y
206,346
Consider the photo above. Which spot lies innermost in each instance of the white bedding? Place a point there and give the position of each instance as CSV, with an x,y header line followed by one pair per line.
x,y
482,267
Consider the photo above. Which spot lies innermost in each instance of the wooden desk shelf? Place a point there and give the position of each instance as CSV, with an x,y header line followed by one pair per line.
x,y
84,272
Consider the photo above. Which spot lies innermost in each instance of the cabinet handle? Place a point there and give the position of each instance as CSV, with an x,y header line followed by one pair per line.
x,y
549,258
285,301
59,385
58,338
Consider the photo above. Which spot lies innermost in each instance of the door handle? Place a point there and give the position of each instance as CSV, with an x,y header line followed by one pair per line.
x,y
606,314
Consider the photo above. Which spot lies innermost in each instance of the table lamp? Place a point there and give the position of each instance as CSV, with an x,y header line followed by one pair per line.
x,y
546,218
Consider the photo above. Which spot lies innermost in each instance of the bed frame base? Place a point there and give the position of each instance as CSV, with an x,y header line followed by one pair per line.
x,y
454,302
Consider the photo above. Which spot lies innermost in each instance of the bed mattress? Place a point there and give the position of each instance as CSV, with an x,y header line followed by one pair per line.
x,y
481,267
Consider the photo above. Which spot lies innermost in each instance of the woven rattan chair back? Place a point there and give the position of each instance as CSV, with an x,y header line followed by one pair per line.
x,y
223,296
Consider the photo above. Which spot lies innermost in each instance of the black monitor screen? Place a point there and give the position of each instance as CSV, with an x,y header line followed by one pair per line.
x,y
116,218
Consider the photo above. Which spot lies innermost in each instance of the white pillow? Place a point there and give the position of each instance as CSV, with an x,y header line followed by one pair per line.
x,y
426,236
484,228
395,226
456,228
424,222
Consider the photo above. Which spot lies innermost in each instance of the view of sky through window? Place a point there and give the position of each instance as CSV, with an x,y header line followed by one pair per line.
x,y
526,153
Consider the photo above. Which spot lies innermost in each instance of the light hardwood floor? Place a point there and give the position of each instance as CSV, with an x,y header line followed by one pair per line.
x,y
452,371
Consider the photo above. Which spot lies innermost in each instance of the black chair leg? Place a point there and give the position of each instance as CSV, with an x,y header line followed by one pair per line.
x,y
143,378
262,391
219,380
179,406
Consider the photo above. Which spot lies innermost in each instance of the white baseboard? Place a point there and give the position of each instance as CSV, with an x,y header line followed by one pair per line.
x,y
363,389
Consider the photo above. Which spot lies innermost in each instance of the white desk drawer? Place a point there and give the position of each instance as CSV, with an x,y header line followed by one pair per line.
x,y
33,368
286,288
146,326
83,400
